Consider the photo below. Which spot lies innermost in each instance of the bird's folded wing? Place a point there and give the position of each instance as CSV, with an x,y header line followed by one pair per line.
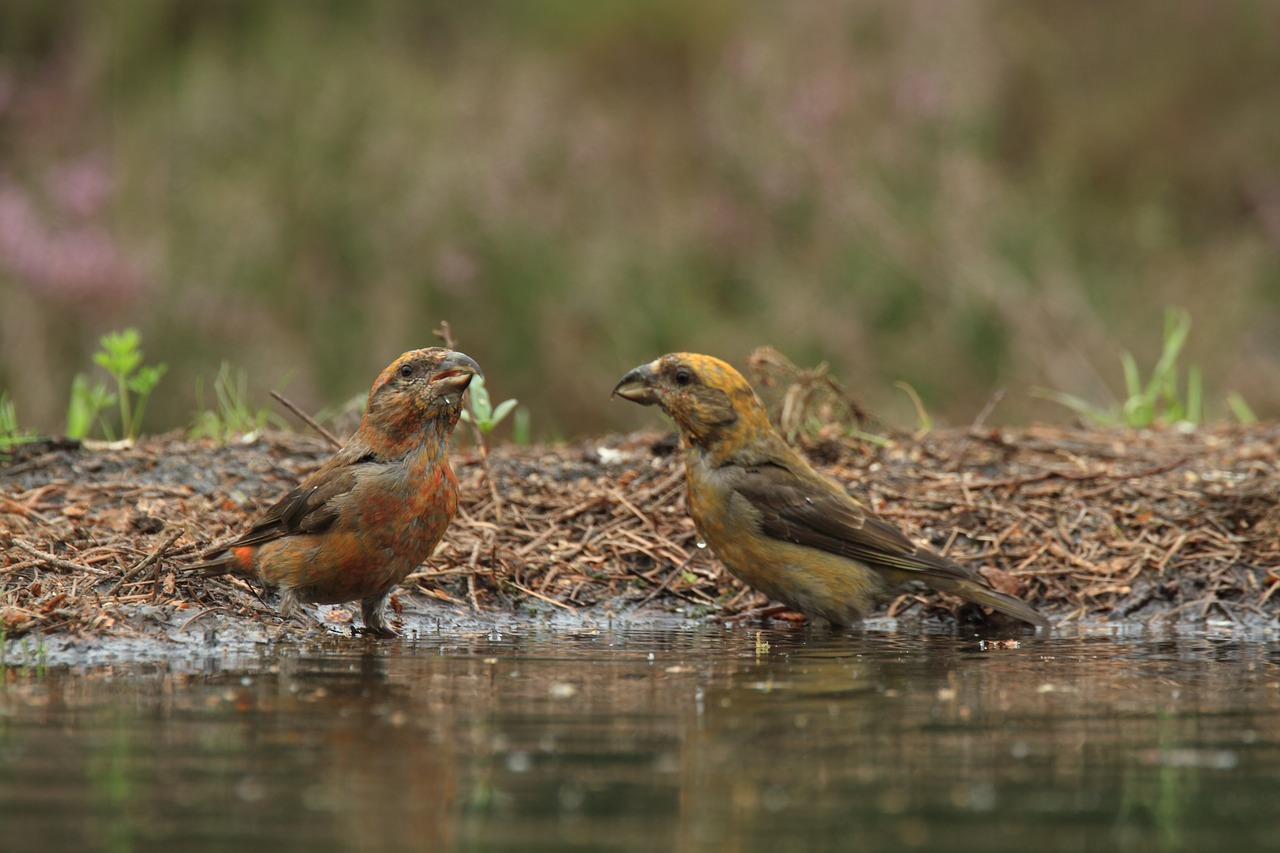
x,y
811,515
309,508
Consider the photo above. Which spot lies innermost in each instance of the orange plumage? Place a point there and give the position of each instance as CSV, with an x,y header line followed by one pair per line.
x,y
774,521
371,514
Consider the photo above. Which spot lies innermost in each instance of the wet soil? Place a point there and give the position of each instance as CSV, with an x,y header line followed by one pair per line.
x,y
1089,526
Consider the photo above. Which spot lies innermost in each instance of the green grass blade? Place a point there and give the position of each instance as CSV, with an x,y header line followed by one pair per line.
x,y
1244,414
1195,395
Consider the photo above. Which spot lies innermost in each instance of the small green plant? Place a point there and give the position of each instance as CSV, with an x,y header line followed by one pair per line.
x,y
32,659
1163,399
233,415
86,406
1244,414
10,433
924,422
121,356
520,432
481,411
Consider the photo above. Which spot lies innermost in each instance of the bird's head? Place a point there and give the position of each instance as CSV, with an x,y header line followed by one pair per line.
x,y
420,386
706,397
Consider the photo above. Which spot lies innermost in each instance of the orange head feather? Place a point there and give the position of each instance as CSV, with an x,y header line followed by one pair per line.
x,y
421,387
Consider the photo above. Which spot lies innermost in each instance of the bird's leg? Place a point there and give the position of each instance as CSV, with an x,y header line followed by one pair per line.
x,y
371,610
291,609
288,603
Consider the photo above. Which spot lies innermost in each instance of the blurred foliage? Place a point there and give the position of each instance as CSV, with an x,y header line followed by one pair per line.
x,y
120,355
1163,398
85,407
11,433
232,415
961,196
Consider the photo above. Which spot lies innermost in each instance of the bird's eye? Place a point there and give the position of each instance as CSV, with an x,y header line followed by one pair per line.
x,y
683,376
406,370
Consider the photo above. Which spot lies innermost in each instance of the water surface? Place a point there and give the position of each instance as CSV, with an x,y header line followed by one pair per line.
x,y
695,739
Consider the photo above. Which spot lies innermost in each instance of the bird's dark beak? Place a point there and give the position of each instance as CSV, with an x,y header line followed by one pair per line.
x,y
454,374
637,386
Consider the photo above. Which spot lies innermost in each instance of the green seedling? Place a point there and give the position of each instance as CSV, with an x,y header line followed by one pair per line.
x,y
121,356
10,434
481,411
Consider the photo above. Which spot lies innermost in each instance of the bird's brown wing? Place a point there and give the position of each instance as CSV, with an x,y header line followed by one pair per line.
x,y
820,515
815,515
309,508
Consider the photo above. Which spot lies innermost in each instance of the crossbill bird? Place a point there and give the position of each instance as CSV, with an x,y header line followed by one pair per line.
x,y
370,515
775,522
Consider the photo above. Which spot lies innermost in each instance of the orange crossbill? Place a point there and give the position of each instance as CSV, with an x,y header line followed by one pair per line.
x,y
775,522
371,514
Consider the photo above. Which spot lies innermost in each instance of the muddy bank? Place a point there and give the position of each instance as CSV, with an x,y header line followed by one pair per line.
x,y
1089,526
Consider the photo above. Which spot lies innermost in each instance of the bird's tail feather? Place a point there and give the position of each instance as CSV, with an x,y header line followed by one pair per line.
x,y
980,594
222,563
208,568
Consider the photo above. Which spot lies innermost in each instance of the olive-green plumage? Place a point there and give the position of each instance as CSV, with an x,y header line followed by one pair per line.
x,y
774,521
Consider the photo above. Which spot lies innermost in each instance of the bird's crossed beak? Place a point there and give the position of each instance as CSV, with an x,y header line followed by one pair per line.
x,y
637,386
454,374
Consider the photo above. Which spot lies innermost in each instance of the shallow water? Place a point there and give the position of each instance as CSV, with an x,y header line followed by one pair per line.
x,y
695,739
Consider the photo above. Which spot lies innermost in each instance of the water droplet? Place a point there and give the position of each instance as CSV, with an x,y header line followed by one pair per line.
x,y
701,544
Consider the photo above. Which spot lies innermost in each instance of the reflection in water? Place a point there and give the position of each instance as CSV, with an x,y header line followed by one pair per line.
x,y
652,740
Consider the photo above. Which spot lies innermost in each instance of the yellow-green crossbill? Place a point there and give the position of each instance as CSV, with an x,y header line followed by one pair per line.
x,y
774,521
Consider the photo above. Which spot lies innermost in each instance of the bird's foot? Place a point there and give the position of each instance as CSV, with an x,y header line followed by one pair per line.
x,y
379,632
375,624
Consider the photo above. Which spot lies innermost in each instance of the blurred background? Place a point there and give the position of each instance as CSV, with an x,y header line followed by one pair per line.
x,y
966,196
